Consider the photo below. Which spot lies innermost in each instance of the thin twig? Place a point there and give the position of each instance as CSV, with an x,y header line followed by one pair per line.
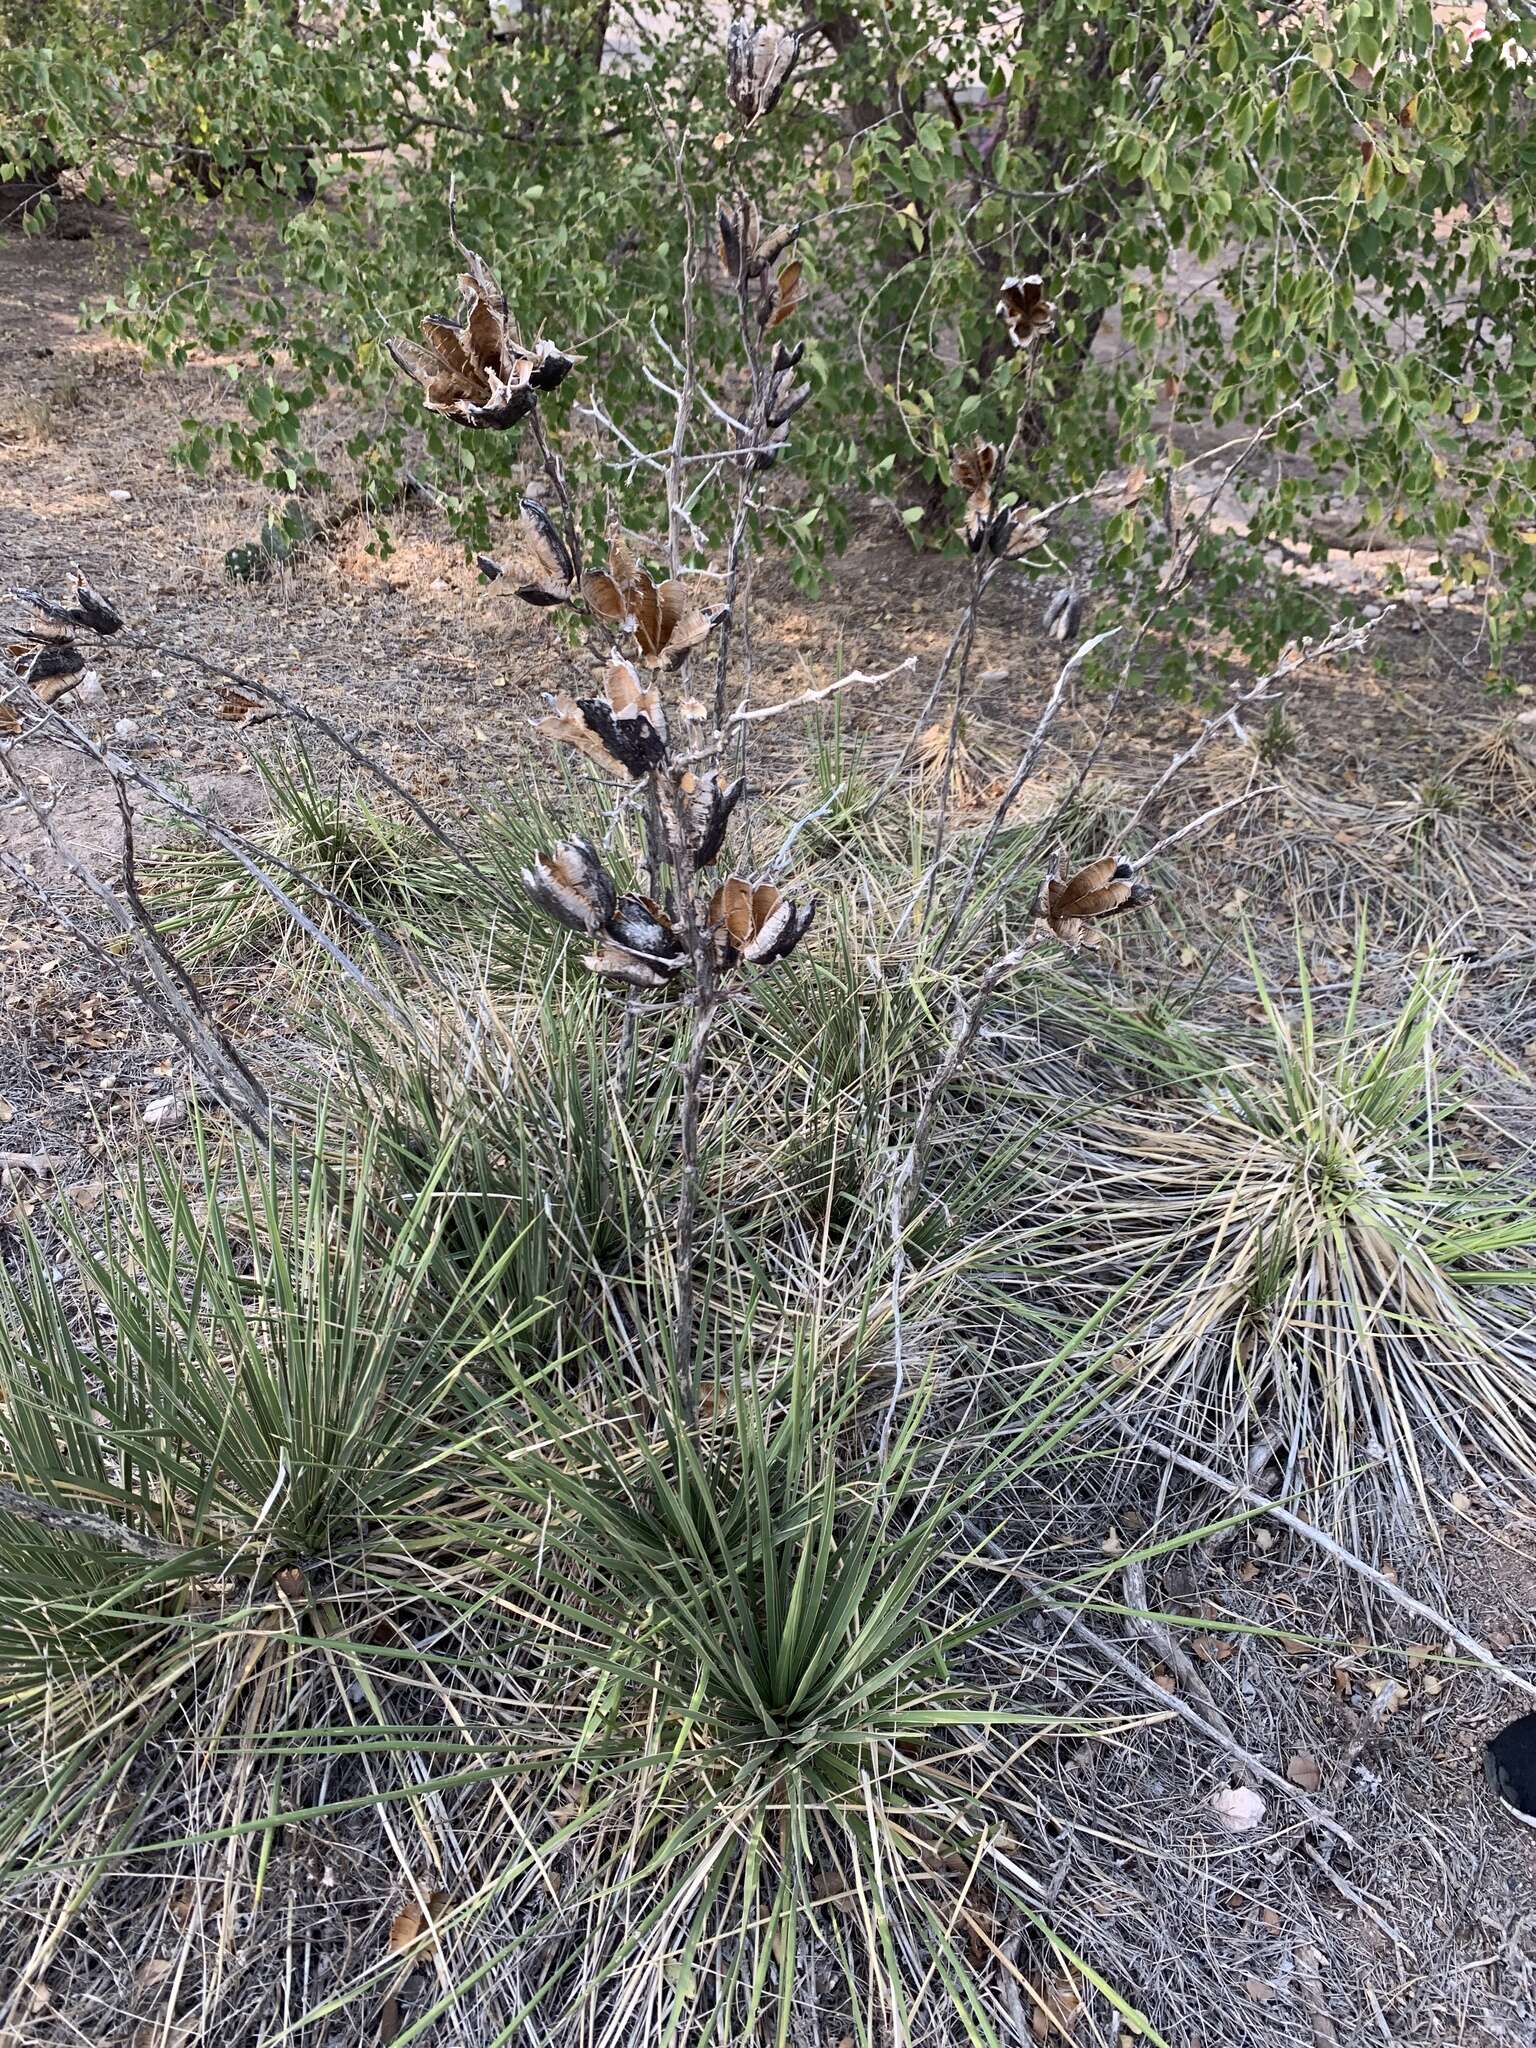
x,y
906,1183
1236,1489
1021,774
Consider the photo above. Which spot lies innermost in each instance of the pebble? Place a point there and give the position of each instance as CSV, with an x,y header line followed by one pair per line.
x,y
126,729
164,1112
90,690
121,497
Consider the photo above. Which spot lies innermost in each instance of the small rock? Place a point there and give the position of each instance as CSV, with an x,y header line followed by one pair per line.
x,y
126,729
994,675
164,1113
121,497
1238,1809
90,690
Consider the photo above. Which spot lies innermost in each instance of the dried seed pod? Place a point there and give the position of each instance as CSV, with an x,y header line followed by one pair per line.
x,y
771,447
665,624
643,928
974,469
745,250
1104,888
739,229
90,612
756,926
1063,613
1025,309
783,398
626,726
783,298
707,809
758,64
571,884
1014,531
474,370
552,572
617,963
41,657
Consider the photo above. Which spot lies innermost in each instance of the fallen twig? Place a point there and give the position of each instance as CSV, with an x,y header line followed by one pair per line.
x,y
1236,1489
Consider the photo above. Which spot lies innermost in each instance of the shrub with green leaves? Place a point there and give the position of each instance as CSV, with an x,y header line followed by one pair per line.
x,y
1353,181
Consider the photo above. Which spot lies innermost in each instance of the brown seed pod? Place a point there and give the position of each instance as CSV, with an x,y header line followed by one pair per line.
x,y
758,64
90,612
625,727
756,926
572,886
548,573
1103,888
474,370
707,809
1025,309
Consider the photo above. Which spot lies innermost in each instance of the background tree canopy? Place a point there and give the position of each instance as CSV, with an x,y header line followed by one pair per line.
x,y
1315,221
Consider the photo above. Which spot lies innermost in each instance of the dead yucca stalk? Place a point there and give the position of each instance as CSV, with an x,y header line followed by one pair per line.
x,y
683,937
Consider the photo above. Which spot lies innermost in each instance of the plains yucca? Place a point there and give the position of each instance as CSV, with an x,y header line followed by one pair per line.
x,y
1307,1256
348,865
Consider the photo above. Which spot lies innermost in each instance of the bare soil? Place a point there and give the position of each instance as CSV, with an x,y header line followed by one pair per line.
x,y
1425,1932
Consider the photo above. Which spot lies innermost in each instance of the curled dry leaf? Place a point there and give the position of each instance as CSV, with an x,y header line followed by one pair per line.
x,y
1306,1772
406,1929
474,370
1104,888
1239,1809
10,721
236,708
1055,2008
758,925
572,886
1025,309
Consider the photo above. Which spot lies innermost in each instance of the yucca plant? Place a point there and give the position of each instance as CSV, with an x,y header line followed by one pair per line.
x,y
541,1140
1323,1269
237,1358
754,1770
356,872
